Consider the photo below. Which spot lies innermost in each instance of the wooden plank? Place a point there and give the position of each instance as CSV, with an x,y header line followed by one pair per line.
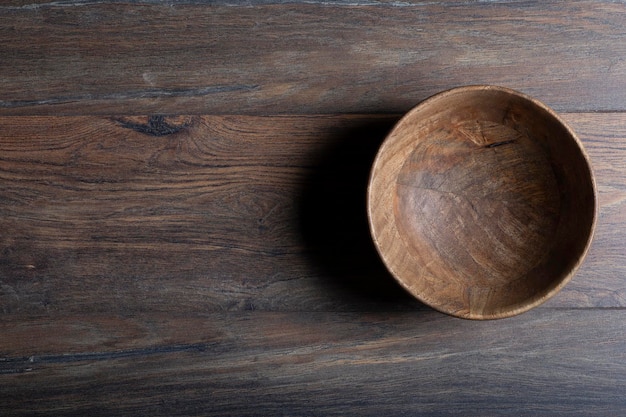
x,y
203,57
545,362
229,213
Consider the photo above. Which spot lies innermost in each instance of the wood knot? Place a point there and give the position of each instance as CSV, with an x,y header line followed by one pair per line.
x,y
156,125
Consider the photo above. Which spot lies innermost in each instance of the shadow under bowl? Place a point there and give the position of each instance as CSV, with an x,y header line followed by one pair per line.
x,y
482,202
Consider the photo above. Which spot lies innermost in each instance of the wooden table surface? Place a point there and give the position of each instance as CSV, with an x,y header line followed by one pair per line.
x,y
182,210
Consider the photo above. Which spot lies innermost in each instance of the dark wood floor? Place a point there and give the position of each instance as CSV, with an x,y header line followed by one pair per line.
x,y
182,209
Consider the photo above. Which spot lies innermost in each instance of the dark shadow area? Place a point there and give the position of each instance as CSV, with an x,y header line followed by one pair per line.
x,y
334,219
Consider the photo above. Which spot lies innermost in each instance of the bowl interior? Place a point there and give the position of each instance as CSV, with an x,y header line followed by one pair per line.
x,y
481,202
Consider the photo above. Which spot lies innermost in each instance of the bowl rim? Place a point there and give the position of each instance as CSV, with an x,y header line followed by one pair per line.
x,y
526,305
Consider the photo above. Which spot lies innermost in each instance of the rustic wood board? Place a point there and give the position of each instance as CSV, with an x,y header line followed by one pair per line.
x,y
228,213
262,363
189,265
207,57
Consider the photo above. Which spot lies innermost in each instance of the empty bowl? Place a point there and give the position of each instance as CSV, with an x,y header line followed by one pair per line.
x,y
482,202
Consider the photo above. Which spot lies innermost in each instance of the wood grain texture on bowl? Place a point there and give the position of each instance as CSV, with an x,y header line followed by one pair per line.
x,y
482,202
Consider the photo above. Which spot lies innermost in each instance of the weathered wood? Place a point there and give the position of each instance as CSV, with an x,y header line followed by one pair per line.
x,y
257,363
228,213
131,246
110,57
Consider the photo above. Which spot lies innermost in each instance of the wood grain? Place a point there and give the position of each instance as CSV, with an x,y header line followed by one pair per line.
x,y
203,57
252,363
229,213
482,202
189,265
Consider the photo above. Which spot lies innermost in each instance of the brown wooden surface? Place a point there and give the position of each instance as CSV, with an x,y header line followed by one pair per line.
x,y
547,362
143,57
482,202
219,262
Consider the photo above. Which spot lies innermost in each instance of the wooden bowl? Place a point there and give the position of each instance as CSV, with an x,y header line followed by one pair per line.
x,y
482,202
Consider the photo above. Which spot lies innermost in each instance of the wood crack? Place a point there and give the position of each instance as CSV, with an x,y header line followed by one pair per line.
x,y
156,126
16,365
